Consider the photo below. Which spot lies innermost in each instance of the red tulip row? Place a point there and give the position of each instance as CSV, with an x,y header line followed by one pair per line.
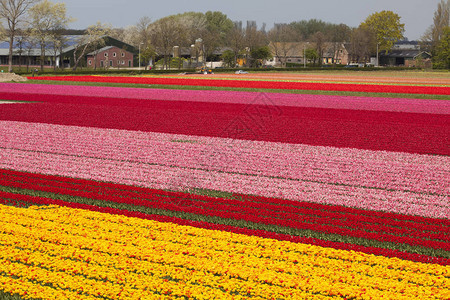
x,y
414,223
373,130
321,221
7,197
253,84
271,204
275,204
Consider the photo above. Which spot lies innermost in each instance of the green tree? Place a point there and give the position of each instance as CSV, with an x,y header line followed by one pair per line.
x,y
218,26
259,55
147,54
306,29
441,59
229,58
311,55
218,23
386,27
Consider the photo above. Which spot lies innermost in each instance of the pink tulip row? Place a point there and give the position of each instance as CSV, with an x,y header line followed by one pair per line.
x,y
269,99
375,169
387,181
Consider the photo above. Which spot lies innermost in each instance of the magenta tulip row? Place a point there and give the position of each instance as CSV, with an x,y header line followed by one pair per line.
x,y
386,181
269,99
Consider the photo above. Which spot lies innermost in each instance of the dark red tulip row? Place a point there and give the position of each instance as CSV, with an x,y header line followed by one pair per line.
x,y
7,197
254,84
269,214
271,204
117,189
372,130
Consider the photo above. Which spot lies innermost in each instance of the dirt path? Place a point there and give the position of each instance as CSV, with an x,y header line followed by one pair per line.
x,y
8,77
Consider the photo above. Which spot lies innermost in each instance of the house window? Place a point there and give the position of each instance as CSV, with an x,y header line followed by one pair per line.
x,y
123,54
110,63
129,63
90,62
101,63
114,54
106,54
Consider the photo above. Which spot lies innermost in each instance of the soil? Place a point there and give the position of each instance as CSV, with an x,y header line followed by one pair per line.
x,y
7,77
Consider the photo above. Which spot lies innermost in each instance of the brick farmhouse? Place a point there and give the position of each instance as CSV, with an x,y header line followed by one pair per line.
x,y
110,57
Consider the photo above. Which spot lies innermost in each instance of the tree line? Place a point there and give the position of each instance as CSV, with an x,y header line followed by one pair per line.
x,y
45,23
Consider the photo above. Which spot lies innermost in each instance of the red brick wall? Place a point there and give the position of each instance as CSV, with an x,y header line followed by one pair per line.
x,y
112,58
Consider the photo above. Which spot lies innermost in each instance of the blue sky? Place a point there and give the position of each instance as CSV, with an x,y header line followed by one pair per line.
x,y
417,15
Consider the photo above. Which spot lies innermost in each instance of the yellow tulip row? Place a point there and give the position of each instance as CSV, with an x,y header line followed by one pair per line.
x,y
58,250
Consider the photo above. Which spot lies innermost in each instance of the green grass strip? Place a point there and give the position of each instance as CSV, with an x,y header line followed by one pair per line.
x,y
281,91
7,296
236,223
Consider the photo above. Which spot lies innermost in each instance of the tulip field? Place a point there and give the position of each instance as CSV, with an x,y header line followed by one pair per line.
x,y
293,189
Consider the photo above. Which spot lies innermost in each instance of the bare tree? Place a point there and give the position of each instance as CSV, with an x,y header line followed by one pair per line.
x,y
93,39
166,33
283,40
20,41
339,34
58,42
28,43
47,22
236,40
319,39
254,39
440,21
193,24
362,41
13,11
143,31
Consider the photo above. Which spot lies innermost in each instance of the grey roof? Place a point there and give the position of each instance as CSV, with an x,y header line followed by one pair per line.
x,y
404,53
32,47
100,50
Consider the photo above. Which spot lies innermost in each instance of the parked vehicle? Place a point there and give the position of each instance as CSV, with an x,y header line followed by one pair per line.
x,y
205,71
241,72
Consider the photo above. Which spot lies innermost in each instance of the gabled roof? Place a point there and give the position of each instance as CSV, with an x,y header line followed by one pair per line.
x,y
403,53
100,50
32,47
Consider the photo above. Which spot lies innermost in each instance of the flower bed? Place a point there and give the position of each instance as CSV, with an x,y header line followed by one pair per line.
x,y
274,99
127,193
396,182
331,223
362,129
118,257
367,88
